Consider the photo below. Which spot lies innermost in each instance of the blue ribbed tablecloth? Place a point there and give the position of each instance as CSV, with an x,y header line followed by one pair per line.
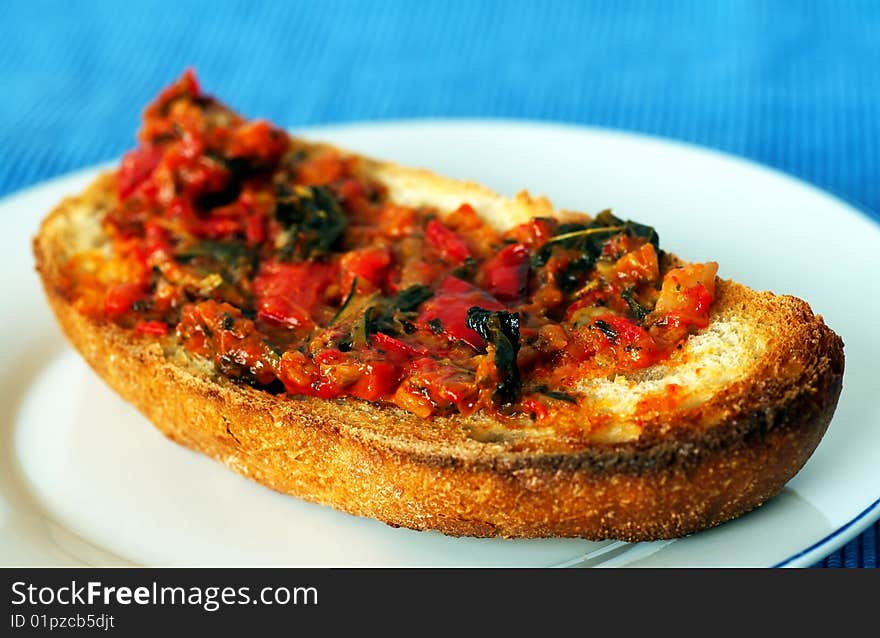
x,y
794,85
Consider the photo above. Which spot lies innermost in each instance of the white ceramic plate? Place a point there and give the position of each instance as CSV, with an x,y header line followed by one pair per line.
x,y
84,479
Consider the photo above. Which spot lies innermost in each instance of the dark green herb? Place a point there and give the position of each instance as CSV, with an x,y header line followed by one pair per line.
x,y
411,298
467,270
239,169
606,329
560,396
233,260
345,302
501,329
587,240
435,325
570,277
226,251
408,326
273,348
222,197
381,318
389,315
637,309
313,218
228,321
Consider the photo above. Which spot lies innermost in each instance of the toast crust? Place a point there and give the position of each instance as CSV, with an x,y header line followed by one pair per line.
x,y
687,470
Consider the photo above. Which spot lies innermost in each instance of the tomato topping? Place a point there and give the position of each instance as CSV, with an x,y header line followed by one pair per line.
x,y
533,233
298,373
507,273
639,265
375,381
120,298
446,243
397,347
282,261
151,328
369,265
258,140
531,405
291,294
136,166
446,312
684,302
321,169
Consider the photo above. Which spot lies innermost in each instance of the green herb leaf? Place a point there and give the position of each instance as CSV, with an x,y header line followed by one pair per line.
x,y
588,240
607,330
352,289
501,329
411,298
313,217
638,310
232,259
559,396
435,325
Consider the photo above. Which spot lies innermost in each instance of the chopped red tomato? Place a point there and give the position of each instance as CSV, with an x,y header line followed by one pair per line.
x,y
258,140
430,385
397,347
370,265
684,302
159,120
507,274
321,169
121,297
398,221
612,340
332,374
137,166
292,294
638,266
533,233
447,310
446,243
151,328
532,405
298,372
375,381
157,242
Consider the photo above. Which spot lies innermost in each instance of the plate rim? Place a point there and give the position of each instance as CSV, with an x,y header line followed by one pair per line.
x,y
806,556
811,554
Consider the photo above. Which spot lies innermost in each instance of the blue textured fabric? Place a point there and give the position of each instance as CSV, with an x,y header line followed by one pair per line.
x,y
793,85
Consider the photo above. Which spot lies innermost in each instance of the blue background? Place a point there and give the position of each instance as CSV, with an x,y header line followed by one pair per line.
x,y
794,85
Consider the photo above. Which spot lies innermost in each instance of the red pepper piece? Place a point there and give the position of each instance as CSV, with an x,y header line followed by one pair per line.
x,y
120,298
136,167
397,347
446,242
367,265
292,294
450,305
378,379
507,273
157,328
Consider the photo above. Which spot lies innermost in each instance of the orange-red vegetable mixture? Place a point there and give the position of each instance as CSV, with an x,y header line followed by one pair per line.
x,y
295,272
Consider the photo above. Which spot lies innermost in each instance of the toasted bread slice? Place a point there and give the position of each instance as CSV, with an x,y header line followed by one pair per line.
x,y
707,436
